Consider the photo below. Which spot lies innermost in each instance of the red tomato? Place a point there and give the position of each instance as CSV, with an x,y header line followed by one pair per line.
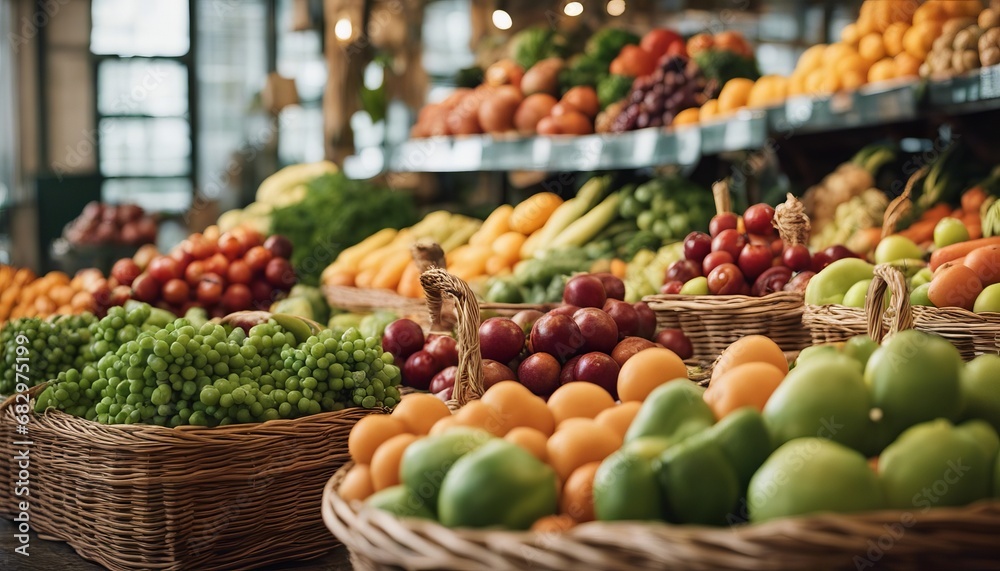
x,y
659,40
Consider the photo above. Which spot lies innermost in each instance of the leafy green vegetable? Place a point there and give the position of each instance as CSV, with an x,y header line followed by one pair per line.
x,y
532,45
605,44
336,213
613,88
469,77
723,65
582,70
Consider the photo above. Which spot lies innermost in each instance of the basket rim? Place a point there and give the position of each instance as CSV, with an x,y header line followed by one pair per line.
x,y
431,528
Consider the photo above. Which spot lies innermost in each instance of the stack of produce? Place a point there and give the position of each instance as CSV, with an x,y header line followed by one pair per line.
x,y
656,99
989,41
957,49
24,295
384,260
587,338
846,202
253,367
673,452
751,260
105,224
724,56
220,273
283,188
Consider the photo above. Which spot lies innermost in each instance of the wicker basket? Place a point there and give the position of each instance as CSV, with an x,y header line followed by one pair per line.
x,y
148,497
972,333
940,538
713,322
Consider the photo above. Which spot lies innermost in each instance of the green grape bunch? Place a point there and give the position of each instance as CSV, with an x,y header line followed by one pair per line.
x,y
214,375
55,345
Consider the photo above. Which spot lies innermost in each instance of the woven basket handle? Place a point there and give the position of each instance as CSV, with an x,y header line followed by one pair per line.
x,y
429,255
791,221
32,393
469,377
902,204
901,314
723,200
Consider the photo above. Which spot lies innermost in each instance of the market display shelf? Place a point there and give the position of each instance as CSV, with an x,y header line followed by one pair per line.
x,y
975,91
883,104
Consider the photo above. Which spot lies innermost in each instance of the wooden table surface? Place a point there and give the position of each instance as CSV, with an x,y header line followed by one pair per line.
x,y
57,556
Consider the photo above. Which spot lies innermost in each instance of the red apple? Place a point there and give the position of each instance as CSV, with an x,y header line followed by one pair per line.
x,y
599,330
625,317
757,219
558,336
729,241
540,374
676,341
697,245
600,369
714,260
754,260
613,285
500,339
720,222
726,279
585,291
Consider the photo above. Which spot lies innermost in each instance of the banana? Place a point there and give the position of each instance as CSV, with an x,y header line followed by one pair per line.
x,y
299,327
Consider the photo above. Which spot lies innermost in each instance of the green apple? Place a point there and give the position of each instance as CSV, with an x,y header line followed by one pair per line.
x,y
919,295
981,385
924,276
988,300
950,231
855,297
695,286
896,247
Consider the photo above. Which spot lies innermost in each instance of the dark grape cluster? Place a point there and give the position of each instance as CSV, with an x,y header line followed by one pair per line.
x,y
676,84
215,375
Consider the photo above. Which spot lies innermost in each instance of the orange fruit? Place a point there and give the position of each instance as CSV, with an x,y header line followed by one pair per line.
x,y
734,94
369,433
385,461
849,35
893,38
956,286
647,370
579,443
709,110
852,80
750,349
620,417
882,70
579,400
749,384
577,500
687,117
871,47
419,412
478,414
531,440
443,425
917,41
357,484
518,406
811,59
906,65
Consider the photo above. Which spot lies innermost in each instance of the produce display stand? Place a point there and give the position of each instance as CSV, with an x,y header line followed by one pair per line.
x,y
938,538
971,333
884,103
149,497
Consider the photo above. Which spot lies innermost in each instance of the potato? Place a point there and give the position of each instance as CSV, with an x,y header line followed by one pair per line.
x,y
989,39
989,19
990,56
955,25
963,61
967,39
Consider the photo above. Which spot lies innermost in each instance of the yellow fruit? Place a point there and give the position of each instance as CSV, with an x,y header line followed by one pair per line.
x,y
852,63
579,400
849,35
385,461
357,484
533,212
892,38
906,65
852,80
882,70
531,440
872,48
709,110
579,443
646,370
369,433
750,349
836,52
620,417
577,499
811,59
734,94
419,412
687,117
516,406
917,41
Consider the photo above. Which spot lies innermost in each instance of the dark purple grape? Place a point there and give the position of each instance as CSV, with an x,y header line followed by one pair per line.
x,y
636,96
643,121
656,121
